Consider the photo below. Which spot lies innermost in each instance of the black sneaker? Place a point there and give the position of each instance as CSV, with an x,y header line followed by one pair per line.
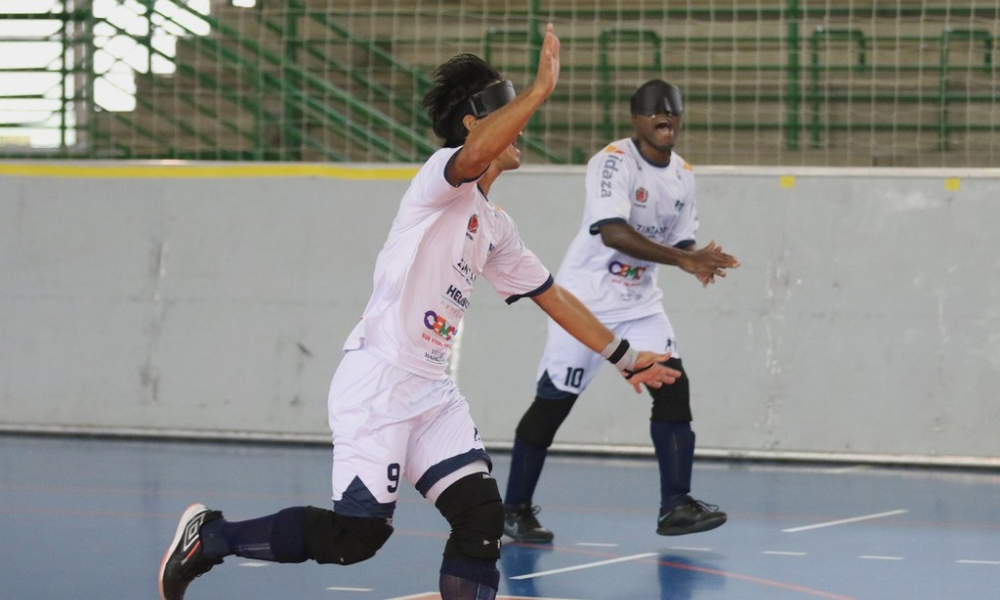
x,y
185,559
520,525
693,516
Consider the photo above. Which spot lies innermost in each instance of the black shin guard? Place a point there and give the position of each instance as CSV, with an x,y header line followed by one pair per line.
x,y
672,403
473,508
332,538
543,418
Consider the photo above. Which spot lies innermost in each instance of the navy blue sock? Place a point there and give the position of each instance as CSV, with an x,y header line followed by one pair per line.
x,y
674,444
275,538
526,462
468,578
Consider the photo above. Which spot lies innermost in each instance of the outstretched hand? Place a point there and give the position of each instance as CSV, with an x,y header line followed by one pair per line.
x,y
548,63
650,370
707,262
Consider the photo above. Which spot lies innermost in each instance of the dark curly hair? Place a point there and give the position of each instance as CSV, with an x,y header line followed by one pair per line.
x,y
455,81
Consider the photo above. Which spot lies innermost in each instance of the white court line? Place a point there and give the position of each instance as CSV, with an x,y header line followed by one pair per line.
x,y
876,557
691,548
429,595
783,553
349,589
842,470
253,564
978,562
844,521
586,566
596,545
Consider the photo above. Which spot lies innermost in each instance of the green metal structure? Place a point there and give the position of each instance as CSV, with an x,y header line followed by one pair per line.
x,y
282,95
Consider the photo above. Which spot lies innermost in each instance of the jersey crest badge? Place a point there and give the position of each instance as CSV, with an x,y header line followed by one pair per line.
x,y
641,195
473,226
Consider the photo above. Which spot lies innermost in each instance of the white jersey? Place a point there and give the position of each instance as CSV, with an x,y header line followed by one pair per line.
x,y
659,202
442,239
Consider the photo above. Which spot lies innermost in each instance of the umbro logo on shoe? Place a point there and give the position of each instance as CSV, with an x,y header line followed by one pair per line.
x,y
192,536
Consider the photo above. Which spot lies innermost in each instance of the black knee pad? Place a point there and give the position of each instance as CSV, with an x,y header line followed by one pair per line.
x,y
474,510
672,403
332,538
540,423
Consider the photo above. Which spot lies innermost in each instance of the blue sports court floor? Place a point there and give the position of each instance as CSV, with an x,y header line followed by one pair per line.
x,y
88,519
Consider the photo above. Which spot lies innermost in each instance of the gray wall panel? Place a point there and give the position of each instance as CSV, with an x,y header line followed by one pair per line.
x,y
864,319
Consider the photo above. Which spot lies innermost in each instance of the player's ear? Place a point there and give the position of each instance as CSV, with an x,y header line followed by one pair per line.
x,y
470,122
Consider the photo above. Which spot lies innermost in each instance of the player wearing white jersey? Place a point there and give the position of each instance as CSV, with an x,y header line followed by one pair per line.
x,y
393,410
640,212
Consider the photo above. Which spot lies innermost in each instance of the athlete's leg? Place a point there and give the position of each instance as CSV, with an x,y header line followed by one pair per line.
x,y
673,439
473,508
567,366
533,436
362,462
448,464
670,430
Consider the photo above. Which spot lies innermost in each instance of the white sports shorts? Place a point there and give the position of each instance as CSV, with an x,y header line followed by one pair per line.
x,y
572,366
388,424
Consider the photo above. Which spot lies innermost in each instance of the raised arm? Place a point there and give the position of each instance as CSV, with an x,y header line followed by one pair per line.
x,y
491,135
639,367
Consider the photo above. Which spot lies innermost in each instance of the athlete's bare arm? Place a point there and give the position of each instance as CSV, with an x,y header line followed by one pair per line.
x,y
709,260
566,310
492,135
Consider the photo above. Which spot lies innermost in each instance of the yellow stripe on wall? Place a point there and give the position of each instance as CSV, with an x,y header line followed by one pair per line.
x,y
183,170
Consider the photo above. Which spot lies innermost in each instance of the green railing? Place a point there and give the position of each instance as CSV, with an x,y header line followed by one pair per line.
x,y
604,41
942,97
286,74
300,99
968,35
815,98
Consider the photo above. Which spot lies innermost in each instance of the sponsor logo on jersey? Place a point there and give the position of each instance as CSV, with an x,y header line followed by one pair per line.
x,y
641,195
473,227
457,298
436,356
620,269
465,270
608,171
651,231
439,325
612,149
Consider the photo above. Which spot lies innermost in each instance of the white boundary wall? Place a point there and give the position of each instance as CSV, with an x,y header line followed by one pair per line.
x,y
212,300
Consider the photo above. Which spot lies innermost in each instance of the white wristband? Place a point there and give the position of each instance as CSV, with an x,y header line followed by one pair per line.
x,y
620,354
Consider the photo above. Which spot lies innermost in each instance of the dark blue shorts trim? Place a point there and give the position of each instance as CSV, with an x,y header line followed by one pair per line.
x,y
449,466
358,501
547,390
